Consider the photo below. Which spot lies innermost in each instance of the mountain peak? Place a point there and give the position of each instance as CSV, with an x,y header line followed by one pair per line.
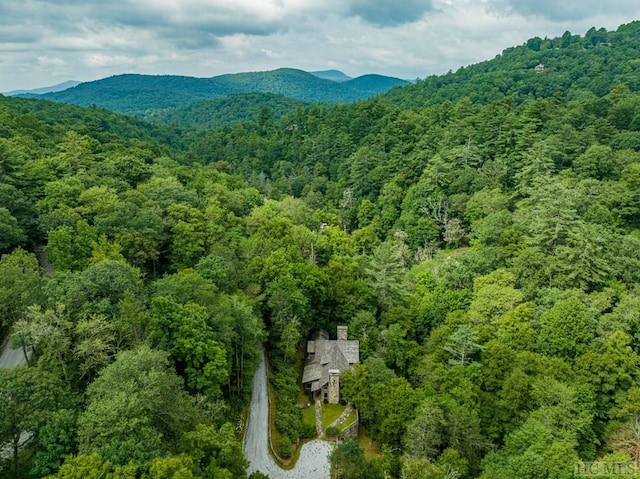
x,y
45,89
333,75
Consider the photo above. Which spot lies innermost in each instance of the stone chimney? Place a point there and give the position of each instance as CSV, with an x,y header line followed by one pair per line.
x,y
334,386
342,333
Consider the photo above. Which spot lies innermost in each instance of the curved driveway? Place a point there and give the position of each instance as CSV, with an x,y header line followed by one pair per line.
x,y
313,462
10,357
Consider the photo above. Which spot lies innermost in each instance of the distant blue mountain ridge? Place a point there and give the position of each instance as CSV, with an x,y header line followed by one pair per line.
x,y
45,89
141,94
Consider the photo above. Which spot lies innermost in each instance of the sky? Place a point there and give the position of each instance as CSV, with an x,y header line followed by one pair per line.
x,y
45,42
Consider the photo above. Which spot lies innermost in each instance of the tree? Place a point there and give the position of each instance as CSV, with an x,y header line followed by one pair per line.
x,y
70,247
545,444
172,467
56,440
29,396
485,202
597,162
385,273
395,348
11,162
138,230
20,285
610,369
218,452
363,327
566,329
462,344
133,322
515,327
184,332
493,295
94,345
186,286
105,250
347,460
453,232
424,436
137,409
97,289
395,405
188,228
10,232
16,201
49,334
92,466
290,338
549,214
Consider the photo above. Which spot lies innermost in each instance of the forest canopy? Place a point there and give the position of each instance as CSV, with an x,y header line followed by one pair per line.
x,y
482,244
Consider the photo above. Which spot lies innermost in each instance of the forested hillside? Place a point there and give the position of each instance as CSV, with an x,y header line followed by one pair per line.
x,y
484,251
574,66
142,95
219,112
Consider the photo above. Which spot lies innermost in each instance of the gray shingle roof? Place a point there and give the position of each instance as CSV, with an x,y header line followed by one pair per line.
x,y
329,354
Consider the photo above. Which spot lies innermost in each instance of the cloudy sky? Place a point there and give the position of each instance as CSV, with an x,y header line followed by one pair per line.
x,y
43,42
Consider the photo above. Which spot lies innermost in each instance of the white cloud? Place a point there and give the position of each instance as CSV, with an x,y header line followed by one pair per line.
x,y
100,60
90,39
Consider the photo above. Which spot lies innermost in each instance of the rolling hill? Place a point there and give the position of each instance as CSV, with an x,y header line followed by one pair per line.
x,y
45,89
219,112
141,94
571,65
335,75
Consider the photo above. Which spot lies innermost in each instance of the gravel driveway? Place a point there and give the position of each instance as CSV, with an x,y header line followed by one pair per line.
x,y
10,357
313,462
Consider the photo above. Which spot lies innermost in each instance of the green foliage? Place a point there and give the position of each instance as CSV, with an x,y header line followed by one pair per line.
x,y
217,452
220,112
347,460
92,466
284,446
565,330
137,409
12,235
139,93
477,232
30,397
20,285
308,430
332,431
288,415
572,67
184,332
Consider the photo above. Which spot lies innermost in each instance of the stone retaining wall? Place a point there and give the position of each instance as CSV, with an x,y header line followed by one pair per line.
x,y
351,431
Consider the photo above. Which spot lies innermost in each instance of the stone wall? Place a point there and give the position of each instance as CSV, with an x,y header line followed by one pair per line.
x,y
351,431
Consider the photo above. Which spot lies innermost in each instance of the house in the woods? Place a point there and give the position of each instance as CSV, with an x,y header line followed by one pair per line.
x,y
539,67
326,360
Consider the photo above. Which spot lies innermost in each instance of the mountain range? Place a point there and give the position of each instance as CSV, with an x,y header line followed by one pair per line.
x,y
570,65
46,89
144,95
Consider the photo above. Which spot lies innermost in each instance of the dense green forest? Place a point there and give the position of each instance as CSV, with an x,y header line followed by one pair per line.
x,y
219,112
574,66
482,245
